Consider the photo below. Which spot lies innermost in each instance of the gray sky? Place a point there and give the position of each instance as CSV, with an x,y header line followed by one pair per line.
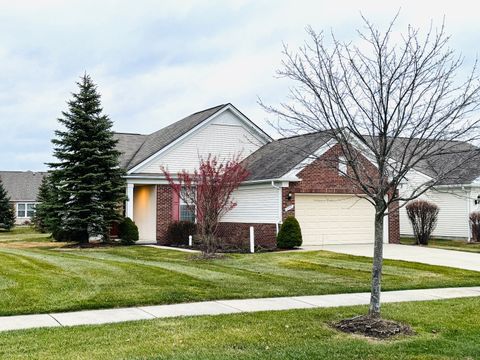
x,y
158,61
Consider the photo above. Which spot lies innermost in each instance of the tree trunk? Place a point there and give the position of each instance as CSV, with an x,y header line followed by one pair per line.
x,y
377,265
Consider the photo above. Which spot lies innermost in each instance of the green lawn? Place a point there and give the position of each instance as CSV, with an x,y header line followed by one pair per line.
x,y
448,329
459,245
38,276
22,234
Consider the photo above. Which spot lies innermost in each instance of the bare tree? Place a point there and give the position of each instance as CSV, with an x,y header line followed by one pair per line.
x,y
208,192
398,104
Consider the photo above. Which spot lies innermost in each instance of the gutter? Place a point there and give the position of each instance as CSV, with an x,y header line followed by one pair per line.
x,y
290,179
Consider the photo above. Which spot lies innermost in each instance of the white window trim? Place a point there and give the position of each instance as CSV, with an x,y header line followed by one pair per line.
x,y
25,212
182,202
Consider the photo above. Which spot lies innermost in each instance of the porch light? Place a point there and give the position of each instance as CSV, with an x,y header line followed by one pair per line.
x,y
289,195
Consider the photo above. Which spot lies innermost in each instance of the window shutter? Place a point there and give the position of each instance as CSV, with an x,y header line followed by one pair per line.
x,y
175,204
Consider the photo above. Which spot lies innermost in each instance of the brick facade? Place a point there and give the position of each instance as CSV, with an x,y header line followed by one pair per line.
x,y
238,234
394,224
322,177
164,212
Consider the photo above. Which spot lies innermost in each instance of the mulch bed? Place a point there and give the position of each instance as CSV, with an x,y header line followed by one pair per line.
x,y
373,327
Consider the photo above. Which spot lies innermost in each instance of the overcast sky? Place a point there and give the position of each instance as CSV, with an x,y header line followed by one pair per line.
x,y
158,61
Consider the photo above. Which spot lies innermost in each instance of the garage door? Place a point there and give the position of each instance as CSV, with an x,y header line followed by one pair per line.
x,y
334,219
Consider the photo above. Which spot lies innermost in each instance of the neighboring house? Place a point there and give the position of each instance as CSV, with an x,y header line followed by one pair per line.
x,y
283,181
456,195
22,188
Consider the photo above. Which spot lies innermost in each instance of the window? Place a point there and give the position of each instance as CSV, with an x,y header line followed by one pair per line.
x,y
21,210
342,166
187,212
25,210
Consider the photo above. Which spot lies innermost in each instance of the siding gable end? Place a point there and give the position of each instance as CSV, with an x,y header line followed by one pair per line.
x,y
223,135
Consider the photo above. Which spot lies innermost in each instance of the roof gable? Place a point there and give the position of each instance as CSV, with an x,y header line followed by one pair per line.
x,y
172,136
136,149
163,137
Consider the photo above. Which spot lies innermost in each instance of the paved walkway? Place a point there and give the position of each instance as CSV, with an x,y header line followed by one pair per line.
x,y
95,317
426,255
172,248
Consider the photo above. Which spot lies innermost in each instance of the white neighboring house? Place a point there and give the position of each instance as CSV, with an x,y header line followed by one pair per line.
x,y
22,188
456,196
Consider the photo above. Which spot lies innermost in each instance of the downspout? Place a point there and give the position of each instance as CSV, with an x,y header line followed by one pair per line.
x,y
280,212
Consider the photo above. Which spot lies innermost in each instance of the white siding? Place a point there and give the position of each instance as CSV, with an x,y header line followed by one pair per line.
x,y
415,180
255,204
452,217
224,137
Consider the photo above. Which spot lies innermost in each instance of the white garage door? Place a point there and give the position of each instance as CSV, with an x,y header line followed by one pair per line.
x,y
334,219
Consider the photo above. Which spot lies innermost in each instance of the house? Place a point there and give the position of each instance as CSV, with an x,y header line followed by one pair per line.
x,y
22,188
456,195
284,180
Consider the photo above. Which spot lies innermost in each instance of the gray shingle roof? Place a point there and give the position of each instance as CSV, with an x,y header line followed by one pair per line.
x,y
278,157
158,140
128,145
22,185
460,166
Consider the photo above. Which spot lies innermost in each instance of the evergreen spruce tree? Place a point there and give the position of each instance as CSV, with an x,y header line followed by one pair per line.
x,y
46,217
87,182
7,213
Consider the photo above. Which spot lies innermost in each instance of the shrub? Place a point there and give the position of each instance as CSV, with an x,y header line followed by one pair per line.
x,y
290,235
475,225
423,216
127,231
71,235
7,214
178,232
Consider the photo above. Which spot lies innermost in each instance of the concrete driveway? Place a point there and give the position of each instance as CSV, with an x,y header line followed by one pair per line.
x,y
432,256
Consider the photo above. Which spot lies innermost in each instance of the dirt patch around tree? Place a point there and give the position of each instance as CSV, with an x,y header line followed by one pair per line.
x,y
373,327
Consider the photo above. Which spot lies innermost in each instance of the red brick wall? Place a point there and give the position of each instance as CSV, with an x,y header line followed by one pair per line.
x,y
322,176
238,234
164,212
393,224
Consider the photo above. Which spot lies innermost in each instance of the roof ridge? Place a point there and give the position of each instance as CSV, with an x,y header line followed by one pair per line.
x,y
24,171
128,133
210,108
298,135
183,118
